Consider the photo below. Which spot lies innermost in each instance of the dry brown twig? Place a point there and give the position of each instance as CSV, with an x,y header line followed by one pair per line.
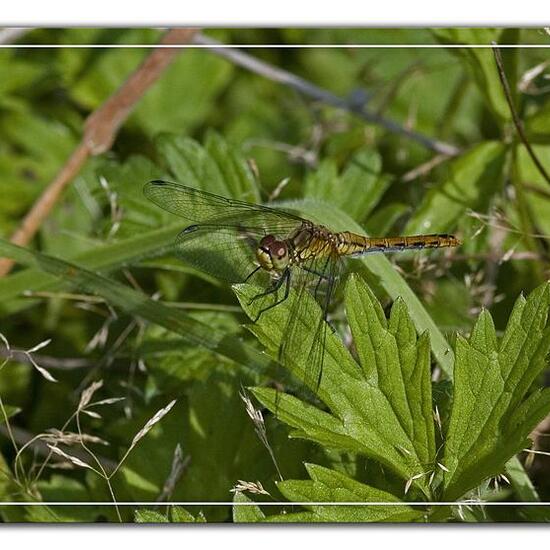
x,y
100,130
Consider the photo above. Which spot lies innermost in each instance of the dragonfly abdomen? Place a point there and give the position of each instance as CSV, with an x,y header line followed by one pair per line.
x,y
351,244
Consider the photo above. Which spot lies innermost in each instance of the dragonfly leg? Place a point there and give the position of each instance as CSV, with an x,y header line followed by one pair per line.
x,y
284,278
320,275
250,274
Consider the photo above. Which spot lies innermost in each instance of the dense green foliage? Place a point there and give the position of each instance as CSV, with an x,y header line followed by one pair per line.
x,y
139,378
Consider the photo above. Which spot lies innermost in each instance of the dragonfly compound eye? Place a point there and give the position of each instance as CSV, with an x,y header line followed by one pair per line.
x,y
272,254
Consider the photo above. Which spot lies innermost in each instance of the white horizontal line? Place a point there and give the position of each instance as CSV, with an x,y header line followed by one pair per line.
x,y
274,46
230,503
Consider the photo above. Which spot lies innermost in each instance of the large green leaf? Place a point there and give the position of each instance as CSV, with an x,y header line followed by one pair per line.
x,y
379,407
492,412
332,487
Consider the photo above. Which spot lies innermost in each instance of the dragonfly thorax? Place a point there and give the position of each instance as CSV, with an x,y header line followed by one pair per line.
x,y
272,254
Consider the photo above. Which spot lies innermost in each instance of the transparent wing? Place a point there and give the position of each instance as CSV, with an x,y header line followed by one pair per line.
x,y
226,252
317,277
199,206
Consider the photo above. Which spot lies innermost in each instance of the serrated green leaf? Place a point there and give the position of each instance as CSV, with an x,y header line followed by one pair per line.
x,y
330,486
150,516
178,514
394,359
246,513
381,407
491,414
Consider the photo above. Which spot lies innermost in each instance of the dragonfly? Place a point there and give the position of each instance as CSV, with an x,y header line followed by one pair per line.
x,y
278,250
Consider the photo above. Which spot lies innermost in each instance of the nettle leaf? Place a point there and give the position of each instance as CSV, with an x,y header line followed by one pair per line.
x,y
380,406
330,486
492,413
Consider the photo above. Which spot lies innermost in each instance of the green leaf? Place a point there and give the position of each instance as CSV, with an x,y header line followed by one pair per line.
x,y
357,191
179,514
396,361
538,192
381,407
537,126
380,222
246,513
480,62
492,412
41,514
474,177
520,481
215,167
150,516
224,444
330,486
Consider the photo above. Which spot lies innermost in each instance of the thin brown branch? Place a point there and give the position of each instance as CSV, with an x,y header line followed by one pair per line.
x,y
242,59
515,117
100,130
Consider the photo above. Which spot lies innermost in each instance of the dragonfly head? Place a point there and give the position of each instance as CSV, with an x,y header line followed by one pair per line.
x,y
272,255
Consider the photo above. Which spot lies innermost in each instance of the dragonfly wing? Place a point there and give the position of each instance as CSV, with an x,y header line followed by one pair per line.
x,y
226,252
200,206
307,325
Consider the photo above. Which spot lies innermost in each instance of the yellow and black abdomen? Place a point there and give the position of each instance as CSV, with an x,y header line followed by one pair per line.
x,y
351,244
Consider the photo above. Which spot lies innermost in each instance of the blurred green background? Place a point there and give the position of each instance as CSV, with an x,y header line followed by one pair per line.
x,y
205,111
